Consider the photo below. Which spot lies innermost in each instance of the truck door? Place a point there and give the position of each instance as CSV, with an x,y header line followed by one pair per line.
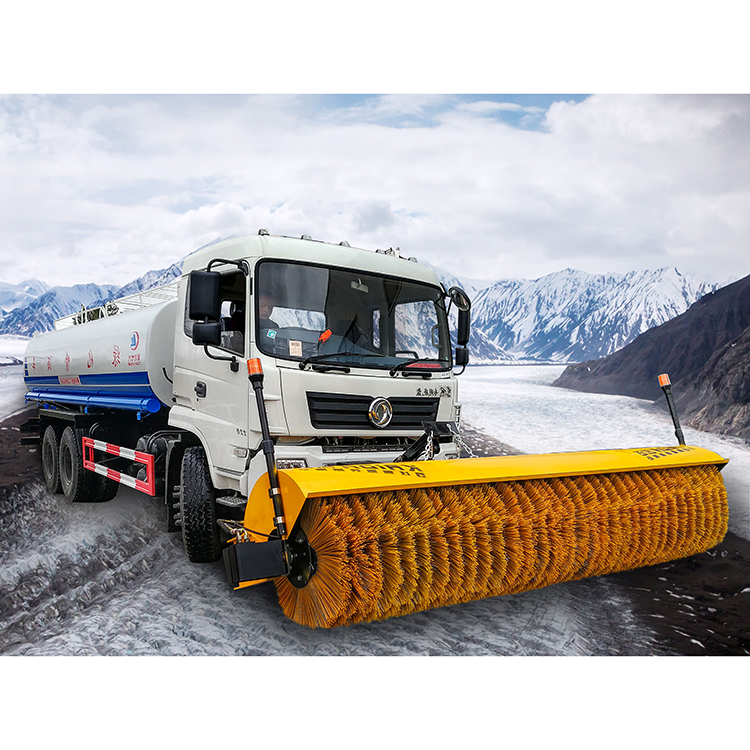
x,y
217,393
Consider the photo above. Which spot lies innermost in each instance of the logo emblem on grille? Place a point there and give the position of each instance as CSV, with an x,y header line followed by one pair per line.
x,y
380,412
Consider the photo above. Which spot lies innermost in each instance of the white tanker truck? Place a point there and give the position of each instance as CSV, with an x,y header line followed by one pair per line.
x,y
357,361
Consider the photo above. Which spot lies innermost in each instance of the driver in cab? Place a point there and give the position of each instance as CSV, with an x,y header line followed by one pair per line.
x,y
268,327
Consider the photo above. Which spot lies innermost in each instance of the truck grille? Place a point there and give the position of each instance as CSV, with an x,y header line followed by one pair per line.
x,y
334,411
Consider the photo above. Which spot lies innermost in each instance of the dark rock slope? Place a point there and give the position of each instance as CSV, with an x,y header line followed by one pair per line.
x,y
706,352
680,347
717,399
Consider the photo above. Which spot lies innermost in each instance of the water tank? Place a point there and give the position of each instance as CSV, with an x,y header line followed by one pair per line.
x,y
121,362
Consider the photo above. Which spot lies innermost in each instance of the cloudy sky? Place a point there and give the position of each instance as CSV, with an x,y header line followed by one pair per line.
x,y
103,188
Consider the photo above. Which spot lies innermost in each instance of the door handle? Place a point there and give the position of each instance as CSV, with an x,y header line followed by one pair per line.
x,y
200,389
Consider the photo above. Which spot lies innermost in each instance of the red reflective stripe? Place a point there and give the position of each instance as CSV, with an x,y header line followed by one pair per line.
x,y
149,486
151,475
144,487
88,457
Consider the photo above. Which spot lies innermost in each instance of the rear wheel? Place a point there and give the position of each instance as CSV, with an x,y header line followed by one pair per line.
x,y
200,533
51,460
103,489
74,478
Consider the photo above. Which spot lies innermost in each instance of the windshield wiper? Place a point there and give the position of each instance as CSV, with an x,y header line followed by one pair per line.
x,y
421,371
324,357
330,368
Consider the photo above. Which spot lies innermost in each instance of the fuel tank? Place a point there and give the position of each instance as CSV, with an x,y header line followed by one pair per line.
x,y
122,362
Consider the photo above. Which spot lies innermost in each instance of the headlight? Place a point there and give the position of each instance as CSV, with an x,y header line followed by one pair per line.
x,y
291,463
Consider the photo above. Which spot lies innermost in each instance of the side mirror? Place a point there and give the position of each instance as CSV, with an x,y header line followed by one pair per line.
x,y
462,357
203,300
464,328
207,333
459,298
462,302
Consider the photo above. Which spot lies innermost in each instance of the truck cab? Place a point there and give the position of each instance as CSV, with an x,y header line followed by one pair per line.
x,y
354,345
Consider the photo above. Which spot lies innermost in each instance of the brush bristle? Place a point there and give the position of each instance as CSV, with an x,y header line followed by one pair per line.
x,y
388,554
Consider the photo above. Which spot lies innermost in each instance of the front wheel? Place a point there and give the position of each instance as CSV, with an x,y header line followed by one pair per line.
x,y
200,533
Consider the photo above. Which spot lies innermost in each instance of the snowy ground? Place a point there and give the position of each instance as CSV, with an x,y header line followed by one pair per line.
x,y
516,405
11,389
12,346
106,579
11,376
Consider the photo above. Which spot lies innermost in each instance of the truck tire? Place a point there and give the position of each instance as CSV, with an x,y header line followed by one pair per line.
x,y
103,489
200,534
51,460
74,478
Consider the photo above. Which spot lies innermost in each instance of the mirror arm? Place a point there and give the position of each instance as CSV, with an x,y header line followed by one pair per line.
x,y
241,264
234,364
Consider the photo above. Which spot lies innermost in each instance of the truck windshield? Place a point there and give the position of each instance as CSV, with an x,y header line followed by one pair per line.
x,y
338,316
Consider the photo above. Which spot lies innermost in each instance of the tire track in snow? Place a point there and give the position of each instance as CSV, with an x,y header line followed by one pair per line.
x,y
107,580
57,562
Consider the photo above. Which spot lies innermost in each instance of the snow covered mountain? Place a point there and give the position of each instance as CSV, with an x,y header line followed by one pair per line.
x,y
573,316
483,351
16,295
151,280
38,314
570,316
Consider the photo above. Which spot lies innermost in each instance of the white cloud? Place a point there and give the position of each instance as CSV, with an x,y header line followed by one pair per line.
x,y
493,107
489,106
105,189
395,105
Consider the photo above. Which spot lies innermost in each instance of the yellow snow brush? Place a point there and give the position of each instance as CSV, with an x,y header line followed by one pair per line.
x,y
374,541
